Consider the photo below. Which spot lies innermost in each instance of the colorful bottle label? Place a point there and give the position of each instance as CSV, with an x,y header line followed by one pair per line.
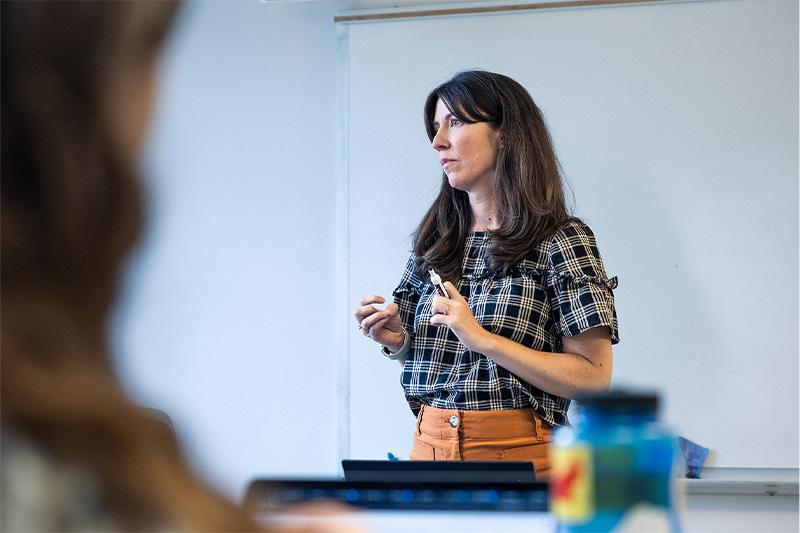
x,y
571,484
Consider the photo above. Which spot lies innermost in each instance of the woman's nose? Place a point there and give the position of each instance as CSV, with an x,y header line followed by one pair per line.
x,y
440,141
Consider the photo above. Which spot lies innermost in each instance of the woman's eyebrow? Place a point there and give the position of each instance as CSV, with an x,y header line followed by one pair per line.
x,y
446,118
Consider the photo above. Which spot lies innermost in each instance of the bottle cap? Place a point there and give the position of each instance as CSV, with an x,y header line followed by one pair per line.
x,y
619,401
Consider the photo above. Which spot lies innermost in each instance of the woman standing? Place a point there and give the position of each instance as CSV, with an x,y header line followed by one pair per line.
x,y
530,319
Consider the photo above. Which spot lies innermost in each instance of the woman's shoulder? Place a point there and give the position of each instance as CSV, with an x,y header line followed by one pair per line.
x,y
573,250
573,232
574,228
573,235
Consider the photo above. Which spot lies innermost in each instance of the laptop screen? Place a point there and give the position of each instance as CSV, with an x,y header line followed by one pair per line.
x,y
439,471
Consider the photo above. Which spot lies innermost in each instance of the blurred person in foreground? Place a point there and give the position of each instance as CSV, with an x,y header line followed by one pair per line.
x,y
78,82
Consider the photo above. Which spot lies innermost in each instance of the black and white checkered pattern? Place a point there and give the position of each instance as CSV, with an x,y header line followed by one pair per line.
x,y
560,289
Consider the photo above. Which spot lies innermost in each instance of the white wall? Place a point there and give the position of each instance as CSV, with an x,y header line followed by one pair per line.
x,y
726,513
228,325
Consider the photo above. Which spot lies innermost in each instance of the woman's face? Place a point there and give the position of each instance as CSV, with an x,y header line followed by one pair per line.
x,y
467,152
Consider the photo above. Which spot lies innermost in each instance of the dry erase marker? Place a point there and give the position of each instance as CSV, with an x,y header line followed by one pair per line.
x,y
437,282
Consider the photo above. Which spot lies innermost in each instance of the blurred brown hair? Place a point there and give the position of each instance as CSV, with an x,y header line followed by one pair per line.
x,y
71,211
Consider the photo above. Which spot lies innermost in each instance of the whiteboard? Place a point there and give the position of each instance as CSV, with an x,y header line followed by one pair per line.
x,y
676,125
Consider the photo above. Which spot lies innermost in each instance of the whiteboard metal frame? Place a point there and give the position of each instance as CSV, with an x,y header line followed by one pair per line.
x,y
485,8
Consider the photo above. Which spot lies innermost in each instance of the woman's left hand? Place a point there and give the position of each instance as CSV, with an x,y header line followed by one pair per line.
x,y
454,312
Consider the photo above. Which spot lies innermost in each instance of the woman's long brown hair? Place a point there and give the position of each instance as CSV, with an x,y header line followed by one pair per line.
x,y
527,182
71,211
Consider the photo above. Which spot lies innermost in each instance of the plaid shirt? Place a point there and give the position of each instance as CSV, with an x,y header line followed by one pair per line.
x,y
560,289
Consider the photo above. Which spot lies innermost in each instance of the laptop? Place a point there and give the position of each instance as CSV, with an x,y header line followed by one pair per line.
x,y
439,471
396,506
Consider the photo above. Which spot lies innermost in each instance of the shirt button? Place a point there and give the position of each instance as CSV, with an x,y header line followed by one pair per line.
x,y
454,421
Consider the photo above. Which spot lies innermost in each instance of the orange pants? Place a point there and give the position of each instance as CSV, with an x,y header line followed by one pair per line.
x,y
510,435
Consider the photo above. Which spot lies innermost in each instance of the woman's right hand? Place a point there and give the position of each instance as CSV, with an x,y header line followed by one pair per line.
x,y
381,325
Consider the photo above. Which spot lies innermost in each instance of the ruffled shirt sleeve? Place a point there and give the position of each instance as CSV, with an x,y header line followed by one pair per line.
x,y
581,295
406,296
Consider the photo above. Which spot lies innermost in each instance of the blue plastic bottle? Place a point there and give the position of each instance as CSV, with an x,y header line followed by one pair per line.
x,y
614,462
